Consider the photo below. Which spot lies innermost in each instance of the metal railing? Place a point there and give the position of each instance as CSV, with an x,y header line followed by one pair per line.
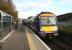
x,y
4,32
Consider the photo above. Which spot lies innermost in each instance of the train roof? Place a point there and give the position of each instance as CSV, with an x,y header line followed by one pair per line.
x,y
46,14
64,17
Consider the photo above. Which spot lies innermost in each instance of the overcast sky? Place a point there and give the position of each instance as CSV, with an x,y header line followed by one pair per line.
x,y
28,8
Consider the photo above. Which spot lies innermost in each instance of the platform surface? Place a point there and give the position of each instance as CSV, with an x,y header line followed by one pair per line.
x,y
17,41
24,39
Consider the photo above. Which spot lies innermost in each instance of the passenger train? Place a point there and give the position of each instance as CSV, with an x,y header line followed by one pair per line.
x,y
45,23
65,27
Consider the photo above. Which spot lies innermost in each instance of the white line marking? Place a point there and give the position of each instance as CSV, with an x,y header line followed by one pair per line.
x,y
7,36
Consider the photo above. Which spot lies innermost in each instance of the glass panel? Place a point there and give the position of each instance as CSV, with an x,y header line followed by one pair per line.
x,y
6,25
52,20
48,20
7,19
43,20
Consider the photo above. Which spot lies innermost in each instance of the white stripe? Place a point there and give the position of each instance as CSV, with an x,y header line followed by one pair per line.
x,y
7,36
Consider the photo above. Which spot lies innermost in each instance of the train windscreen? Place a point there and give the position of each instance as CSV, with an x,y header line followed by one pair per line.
x,y
48,20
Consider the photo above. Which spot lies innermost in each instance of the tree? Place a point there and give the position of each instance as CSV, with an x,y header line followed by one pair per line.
x,y
8,7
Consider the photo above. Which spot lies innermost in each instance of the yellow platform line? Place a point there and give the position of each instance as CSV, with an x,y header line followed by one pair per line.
x,y
30,41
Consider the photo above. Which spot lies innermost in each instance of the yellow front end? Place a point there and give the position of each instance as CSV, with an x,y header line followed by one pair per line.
x,y
49,29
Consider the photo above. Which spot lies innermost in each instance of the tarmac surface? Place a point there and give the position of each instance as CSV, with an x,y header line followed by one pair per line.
x,y
17,41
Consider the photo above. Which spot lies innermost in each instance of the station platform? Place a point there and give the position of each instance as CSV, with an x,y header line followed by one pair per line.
x,y
24,39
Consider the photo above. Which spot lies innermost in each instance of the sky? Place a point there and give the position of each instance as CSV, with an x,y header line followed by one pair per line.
x,y
28,8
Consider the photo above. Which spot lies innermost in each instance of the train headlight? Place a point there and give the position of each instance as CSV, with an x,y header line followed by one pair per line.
x,y
41,30
56,28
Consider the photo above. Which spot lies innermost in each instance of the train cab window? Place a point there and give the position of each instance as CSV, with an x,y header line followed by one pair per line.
x,y
48,20
52,20
43,20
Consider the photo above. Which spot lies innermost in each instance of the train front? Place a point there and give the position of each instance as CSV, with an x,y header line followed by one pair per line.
x,y
48,24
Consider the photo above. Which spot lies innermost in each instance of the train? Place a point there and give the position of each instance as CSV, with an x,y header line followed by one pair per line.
x,y
65,27
44,23
65,23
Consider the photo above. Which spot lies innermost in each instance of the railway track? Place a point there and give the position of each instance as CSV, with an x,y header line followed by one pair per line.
x,y
57,44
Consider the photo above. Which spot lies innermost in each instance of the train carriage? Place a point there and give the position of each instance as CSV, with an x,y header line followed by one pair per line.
x,y
47,24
